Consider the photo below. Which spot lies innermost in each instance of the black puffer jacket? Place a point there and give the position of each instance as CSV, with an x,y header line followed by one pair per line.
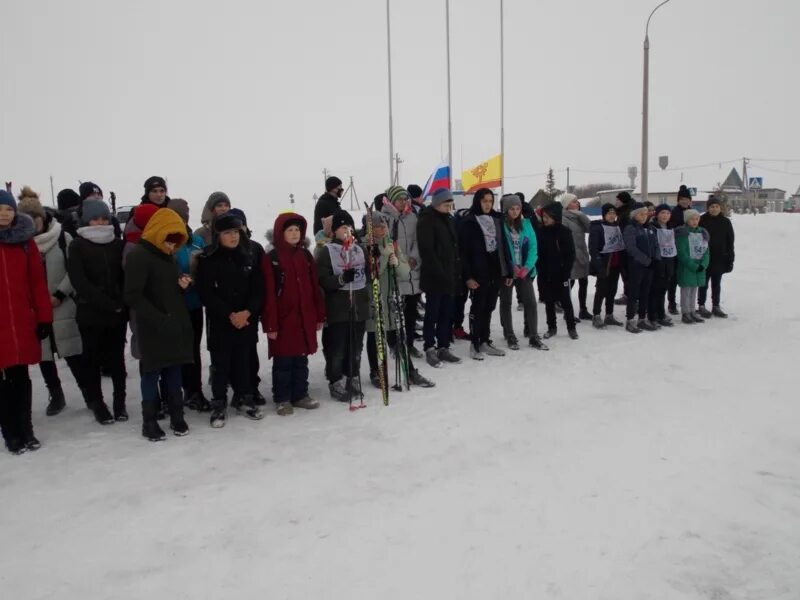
x,y
556,253
720,246
476,262
326,206
95,271
438,250
599,265
229,281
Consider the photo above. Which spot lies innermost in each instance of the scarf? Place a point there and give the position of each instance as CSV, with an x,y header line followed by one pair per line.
x,y
99,234
46,240
489,229
348,258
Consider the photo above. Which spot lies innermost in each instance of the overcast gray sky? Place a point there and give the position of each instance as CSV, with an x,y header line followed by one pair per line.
x,y
255,98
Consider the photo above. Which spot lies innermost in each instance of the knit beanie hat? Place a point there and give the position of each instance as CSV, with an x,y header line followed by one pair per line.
x,y
712,199
180,206
239,214
688,214
6,199
67,199
662,207
31,207
508,201
397,192
567,199
143,213
88,188
154,182
625,197
331,183
554,211
683,192
227,222
607,208
341,217
94,209
441,196
414,191
636,208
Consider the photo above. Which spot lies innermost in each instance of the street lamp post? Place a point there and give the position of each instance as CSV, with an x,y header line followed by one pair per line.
x,y
645,102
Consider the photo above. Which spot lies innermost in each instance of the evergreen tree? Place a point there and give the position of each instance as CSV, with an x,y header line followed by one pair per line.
x,y
550,186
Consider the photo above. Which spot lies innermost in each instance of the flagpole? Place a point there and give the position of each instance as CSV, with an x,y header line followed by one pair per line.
x,y
449,102
502,106
391,119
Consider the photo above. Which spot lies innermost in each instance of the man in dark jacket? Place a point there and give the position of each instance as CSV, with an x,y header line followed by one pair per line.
x,y
485,267
556,257
439,276
69,203
721,250
231,288
329,203
417,201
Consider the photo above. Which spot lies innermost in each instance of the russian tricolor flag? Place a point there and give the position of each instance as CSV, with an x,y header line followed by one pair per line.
x,y
439,180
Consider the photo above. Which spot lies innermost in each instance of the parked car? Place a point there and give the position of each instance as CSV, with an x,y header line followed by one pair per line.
x,y
124,213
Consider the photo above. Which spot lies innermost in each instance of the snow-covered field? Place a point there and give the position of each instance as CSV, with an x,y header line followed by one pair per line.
x,y
658,466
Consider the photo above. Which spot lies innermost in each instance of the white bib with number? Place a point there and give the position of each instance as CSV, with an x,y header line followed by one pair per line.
x,y
614,240
698,246
666,242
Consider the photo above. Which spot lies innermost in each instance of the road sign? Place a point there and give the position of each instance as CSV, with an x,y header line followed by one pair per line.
x,y
756,183
663,162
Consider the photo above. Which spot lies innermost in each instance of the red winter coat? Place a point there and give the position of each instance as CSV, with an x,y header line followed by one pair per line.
x,y
24,299
294,313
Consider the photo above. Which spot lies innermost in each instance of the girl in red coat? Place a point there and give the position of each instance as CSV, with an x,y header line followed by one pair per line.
x,y
294,312
26,318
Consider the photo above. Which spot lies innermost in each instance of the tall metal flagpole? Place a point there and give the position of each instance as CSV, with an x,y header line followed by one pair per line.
x,y
391,118
502,106
449,102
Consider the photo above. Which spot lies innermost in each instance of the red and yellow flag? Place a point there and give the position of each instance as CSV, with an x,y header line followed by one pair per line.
x,y
488,174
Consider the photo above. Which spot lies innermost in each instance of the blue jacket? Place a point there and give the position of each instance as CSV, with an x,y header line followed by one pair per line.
x,y
641,245
530,249
183,258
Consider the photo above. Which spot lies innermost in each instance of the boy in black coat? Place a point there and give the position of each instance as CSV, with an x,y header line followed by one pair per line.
x,y
721,249
231,287
556,256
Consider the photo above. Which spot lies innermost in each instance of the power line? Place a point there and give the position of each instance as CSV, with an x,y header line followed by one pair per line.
x,y
763,168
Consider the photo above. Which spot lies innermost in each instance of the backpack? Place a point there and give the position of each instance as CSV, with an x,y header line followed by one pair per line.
x,y
280,276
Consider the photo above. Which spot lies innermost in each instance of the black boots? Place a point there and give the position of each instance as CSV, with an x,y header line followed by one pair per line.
x,y
176,421
120,412
57,402
150,428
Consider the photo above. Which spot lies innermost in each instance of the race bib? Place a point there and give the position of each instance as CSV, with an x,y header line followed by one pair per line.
x,y
614,240
352,258
698,246
666,242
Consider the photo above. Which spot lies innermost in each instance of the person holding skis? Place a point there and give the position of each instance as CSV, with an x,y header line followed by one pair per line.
x,y
607,252
392,267
231,287
293,312
578,224
26,317
154,290
341,266
485,267
556,256
641,246
94,265
664,269
440,275
52,243
721,256
693,260
522,249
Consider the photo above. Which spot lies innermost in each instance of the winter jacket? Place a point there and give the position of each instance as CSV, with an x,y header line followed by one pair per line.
x,y
720,245
326,206
476,261
403,231
600,263
641,246
556,253
692,255
664,269
390,306
529,249
440,271
186,258
337,295
24,300
231,280
163,328
66,338
95,271
579,224
676,220
293,303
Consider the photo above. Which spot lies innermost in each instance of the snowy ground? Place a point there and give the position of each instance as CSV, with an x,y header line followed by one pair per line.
x,y
658,466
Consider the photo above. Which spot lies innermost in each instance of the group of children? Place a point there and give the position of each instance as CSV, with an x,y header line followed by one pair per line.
x,y
76,281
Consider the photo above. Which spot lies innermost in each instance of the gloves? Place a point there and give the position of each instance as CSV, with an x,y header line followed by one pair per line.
x,y
43,330
393,260
700,268
348,275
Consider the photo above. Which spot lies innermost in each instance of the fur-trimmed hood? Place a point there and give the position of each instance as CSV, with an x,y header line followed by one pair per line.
x,y
22,229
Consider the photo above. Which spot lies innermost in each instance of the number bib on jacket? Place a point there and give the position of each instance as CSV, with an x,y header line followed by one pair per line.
x,y
666,242
353,258
698,246
614,241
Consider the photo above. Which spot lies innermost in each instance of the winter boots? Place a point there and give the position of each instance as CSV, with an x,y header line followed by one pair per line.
x,y
697,318
120,412
513,342
101,413
488,348
306,402
598,323
197,401
151,430
284,409
537,343
476,354
176,421
718,312
337,390
415,378
585,315
219,412
687,319
645,325
247,408
631,326
665,322
432,358
56,402
613,321
703,312
445,355
550,333
573,333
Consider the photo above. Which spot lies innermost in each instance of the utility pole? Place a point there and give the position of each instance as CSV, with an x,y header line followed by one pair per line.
x,y
568,181
324,175
397,162
52,192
